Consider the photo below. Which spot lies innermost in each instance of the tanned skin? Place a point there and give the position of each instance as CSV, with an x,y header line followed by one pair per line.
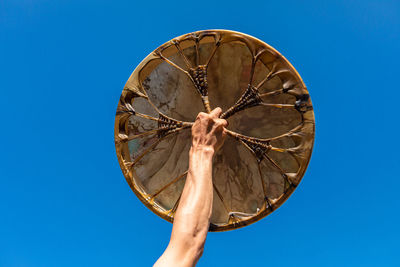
x,y
192,217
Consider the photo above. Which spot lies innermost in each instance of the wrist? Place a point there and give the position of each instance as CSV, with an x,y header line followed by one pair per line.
x,y
204,150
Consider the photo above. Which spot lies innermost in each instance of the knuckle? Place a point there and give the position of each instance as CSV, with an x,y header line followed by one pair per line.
x,y
220,122
202,115
217,124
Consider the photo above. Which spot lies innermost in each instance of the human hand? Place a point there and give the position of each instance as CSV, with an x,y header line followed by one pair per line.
x,y
208,131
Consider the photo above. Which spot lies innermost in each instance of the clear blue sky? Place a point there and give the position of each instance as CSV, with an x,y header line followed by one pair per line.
x,y
63,198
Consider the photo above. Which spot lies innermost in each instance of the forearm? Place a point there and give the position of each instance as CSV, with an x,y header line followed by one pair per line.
x,y
195,207
192,218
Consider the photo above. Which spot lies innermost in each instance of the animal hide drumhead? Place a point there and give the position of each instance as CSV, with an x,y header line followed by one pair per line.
x,y
270,133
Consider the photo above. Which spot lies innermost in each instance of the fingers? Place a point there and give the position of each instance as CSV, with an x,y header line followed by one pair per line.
x,y
211,121
202,115
219,125
209,129
221,122
215,113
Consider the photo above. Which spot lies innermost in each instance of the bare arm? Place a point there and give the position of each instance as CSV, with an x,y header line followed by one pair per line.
x,y
192,218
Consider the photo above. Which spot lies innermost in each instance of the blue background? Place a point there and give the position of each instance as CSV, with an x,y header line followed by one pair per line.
x,y
63,198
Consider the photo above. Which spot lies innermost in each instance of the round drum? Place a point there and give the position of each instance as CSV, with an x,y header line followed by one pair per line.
x,y
270,132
